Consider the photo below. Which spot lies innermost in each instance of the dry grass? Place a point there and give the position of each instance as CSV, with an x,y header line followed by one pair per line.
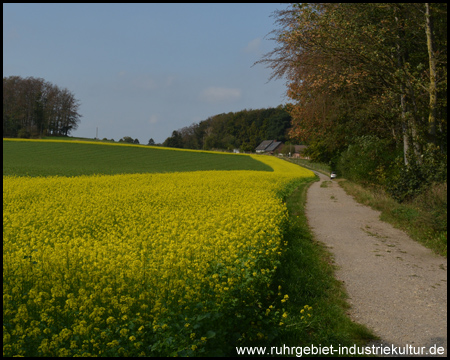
x,y
424,218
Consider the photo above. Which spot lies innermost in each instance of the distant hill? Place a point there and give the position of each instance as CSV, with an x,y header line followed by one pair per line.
x,y
242,130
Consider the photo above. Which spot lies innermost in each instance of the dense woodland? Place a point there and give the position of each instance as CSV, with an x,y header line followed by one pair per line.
x,y
242,130
368,84
34,107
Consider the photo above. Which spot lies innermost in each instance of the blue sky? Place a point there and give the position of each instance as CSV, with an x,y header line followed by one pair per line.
x,y
144,70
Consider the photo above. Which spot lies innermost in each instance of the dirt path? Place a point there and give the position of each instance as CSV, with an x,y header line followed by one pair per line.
x,y
396,287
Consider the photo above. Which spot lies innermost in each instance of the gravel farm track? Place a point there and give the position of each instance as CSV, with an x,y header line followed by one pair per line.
x,y
396,287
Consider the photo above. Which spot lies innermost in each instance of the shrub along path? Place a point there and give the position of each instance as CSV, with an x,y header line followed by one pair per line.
x,y
396,287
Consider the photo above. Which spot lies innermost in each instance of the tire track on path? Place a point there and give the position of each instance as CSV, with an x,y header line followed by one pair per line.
x,y
396,287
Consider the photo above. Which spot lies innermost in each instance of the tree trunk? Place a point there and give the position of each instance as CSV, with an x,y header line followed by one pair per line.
x,y
405,129
432,61
405,120
413,121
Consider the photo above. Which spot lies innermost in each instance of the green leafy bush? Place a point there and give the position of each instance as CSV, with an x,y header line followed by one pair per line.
x,y
23,134
408,181
374,161
368,160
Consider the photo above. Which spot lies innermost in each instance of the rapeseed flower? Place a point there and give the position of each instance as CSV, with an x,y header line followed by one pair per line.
x,y
86,256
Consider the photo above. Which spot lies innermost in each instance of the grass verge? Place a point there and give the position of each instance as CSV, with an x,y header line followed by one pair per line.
x,y
321,167
424,219
307,275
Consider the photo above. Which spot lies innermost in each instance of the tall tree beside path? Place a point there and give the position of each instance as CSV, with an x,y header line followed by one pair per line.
x,y
432,62
356,69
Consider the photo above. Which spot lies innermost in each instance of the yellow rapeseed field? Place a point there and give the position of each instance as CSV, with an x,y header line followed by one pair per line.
x,y
140,264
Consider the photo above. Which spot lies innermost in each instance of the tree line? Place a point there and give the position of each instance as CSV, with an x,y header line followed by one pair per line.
x,y
34,107
242,130
368,84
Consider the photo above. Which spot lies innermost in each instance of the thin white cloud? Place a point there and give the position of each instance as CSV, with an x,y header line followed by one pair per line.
x,y
220,94
253,46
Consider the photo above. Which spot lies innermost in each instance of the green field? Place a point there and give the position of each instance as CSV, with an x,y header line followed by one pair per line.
x,y
69,158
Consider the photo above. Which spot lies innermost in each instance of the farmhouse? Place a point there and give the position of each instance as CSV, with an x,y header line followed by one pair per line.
x,y
269,146
298,153
273,146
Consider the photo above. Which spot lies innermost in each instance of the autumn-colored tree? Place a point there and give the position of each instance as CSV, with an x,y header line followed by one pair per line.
x,y
356,69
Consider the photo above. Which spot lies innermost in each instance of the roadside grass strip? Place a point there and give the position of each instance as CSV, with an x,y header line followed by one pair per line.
x,y
143,264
